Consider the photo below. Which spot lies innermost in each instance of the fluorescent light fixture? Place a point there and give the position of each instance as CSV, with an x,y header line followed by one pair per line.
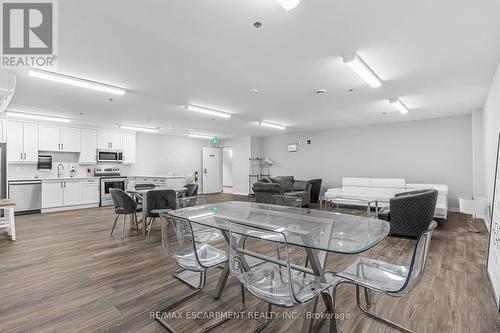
x,y
398,105
35,116
200,136
288,4
139,129
359,67
272,125
75,81
203,109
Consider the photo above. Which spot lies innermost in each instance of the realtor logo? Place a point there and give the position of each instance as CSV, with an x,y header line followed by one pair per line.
x,y
29,33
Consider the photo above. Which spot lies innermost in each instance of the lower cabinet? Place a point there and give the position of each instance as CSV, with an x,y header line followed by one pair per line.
x,y
69,192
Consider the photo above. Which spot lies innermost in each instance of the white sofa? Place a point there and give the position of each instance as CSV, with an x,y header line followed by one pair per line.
x,y
383,189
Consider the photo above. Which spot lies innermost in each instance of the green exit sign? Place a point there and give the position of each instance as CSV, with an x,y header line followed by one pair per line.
x,y
215,140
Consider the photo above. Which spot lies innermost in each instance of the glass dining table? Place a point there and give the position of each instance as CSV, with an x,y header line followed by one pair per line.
x,y
317,232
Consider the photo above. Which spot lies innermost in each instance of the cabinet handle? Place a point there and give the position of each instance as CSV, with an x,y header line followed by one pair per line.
x,y
62,145
24,155
21,155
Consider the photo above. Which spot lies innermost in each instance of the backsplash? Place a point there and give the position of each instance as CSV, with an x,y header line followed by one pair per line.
x,y
21,171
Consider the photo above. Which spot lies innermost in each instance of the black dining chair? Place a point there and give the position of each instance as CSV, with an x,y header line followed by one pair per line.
x,y
158,201
192,190
124,205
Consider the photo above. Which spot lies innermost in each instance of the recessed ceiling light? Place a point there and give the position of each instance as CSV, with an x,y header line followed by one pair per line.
x,y
139,129
210,111
288,4
320,91
272,125
398,105
362,69
254,91
35,116
75,81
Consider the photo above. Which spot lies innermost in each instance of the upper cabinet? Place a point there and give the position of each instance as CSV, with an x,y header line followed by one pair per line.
x,y
109,140
88,149
22,145
128,147
56,138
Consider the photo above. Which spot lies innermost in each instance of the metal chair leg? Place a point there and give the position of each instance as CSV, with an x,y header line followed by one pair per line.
x,y
378,318
114,224
261,327
149,229
123,226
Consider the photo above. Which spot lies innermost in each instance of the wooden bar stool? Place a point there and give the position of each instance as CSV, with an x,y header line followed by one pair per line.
x,y
8,222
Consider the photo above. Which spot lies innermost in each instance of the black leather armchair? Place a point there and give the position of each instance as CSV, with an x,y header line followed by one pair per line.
x,y
411,213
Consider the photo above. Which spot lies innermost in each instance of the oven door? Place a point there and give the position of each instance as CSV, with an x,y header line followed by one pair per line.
x,y
108,184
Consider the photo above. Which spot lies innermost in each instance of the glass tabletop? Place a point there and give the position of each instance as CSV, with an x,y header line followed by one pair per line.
x,y
316,229
180,189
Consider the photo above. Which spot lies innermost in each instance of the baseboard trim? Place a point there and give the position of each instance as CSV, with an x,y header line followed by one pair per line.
x,y
60,209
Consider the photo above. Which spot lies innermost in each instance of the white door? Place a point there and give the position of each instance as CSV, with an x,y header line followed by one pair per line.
x,y
103,141
88,148
30,142
49,137
70,139
52,194
211,170
73,192
15,144
115,138
128,146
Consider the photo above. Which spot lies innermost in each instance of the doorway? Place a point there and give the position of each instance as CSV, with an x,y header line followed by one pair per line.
x,y
212,179
227,170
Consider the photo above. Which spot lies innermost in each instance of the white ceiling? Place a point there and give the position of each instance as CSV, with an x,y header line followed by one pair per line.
x,y
437,56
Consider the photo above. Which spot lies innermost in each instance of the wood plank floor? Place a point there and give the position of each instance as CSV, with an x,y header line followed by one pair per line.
x,y
66,274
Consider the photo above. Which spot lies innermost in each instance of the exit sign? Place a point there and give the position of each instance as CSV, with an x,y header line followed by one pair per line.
x,y
215,140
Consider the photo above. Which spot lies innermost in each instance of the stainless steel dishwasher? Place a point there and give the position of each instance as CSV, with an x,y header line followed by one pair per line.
x,y
27,194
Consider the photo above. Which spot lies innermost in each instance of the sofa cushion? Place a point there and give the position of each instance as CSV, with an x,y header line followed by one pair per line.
x,y
300,185
286,182
389,182
356,181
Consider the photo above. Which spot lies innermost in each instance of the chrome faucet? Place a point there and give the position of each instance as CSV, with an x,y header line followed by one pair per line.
x,y
60,170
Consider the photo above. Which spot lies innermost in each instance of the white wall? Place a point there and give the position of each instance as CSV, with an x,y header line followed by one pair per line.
x,y
161,154
478,182
429,151
227,167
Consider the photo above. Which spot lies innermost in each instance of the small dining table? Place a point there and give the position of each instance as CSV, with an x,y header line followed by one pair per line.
x,y
142,193
317,232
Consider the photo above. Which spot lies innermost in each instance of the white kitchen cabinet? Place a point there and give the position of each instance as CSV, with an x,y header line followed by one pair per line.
x,y
72,192
128,147
22,145
3,130
70,139
88,148
56,138
52,193
90,192
109,140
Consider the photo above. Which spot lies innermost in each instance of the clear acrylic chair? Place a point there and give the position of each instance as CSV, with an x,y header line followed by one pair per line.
x,y
197,200
386,278
192,255
268,273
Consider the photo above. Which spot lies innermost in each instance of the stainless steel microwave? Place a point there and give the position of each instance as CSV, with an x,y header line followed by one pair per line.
x,y
106,155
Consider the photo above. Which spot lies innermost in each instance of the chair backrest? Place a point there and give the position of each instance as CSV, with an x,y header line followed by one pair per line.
x,y
286,200
419,260
192,201
192,190
187,250
260,259
145,186
123,202
161,199
412,212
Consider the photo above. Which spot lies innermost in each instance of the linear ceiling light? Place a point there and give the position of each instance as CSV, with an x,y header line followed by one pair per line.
x,y
272,125
202,109
362,69
398,105
36,116
200,136
75,81
139,129
288,4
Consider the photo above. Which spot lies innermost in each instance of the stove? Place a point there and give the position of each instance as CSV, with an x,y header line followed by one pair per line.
x,y
110,178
